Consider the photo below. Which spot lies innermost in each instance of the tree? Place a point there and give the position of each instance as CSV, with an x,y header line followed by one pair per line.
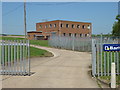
x,y
116,27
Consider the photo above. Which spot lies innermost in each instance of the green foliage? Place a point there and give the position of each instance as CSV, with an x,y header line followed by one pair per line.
x,y
116,27
33,42
108,78
116,30
98,35
34,52
40,42
11,38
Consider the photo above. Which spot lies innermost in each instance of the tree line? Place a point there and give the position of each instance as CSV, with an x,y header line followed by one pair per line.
x,y
116,27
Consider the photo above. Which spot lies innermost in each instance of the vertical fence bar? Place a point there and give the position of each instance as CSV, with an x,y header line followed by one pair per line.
x,y
111,57
115,61
101,58
20,59
8,57
11,57
108,63
0,58
3,58
28,57
118,64
15,57
24,61
97,58
93,57
22,64
105,63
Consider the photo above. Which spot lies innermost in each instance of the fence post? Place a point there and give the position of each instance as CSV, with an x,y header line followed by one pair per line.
x,y
113,76
93,57
0,58
101,43
28,56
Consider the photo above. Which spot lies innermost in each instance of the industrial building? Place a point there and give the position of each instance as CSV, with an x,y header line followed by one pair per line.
x,y
60,27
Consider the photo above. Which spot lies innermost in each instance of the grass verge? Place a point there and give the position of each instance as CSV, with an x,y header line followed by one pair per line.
x,y
107,79
34,52
33,42
40,42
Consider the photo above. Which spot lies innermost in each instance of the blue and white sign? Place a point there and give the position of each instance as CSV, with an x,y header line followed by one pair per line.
x,y
111,47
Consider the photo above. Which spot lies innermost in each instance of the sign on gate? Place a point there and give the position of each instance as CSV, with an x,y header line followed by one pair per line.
x,y
111,47
105,50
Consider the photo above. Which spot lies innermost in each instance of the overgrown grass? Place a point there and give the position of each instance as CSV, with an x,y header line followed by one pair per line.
x,y
108,78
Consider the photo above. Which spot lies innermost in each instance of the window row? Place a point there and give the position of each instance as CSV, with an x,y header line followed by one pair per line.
x,y
50,25
76,35
67,26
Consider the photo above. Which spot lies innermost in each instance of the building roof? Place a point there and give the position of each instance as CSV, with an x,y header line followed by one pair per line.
x,y
34,32
64,21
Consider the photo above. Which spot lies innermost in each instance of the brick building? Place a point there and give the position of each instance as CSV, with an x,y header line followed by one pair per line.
x,y
60,27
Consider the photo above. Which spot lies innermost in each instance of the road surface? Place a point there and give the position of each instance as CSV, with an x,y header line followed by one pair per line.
x,y
67,69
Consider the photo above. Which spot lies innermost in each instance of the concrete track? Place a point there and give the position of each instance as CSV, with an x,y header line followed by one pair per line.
x,y
67,69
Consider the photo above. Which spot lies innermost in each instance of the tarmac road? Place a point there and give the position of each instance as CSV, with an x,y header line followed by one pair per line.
x,y
67,69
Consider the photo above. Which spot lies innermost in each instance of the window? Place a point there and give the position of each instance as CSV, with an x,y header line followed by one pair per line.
x,y
63,34
80,35
85,35
78,26
88,35
61,25
50,25
70,34
88,26
54,25
40,26
75,34
46,26
34,35
67,25
72,25
83,26
28,35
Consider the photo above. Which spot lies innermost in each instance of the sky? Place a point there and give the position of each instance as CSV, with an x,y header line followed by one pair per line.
x,y
0,17
100,14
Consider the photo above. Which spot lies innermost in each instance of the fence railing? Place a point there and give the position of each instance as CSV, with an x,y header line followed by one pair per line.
x,y
83,44
101,60
14,57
